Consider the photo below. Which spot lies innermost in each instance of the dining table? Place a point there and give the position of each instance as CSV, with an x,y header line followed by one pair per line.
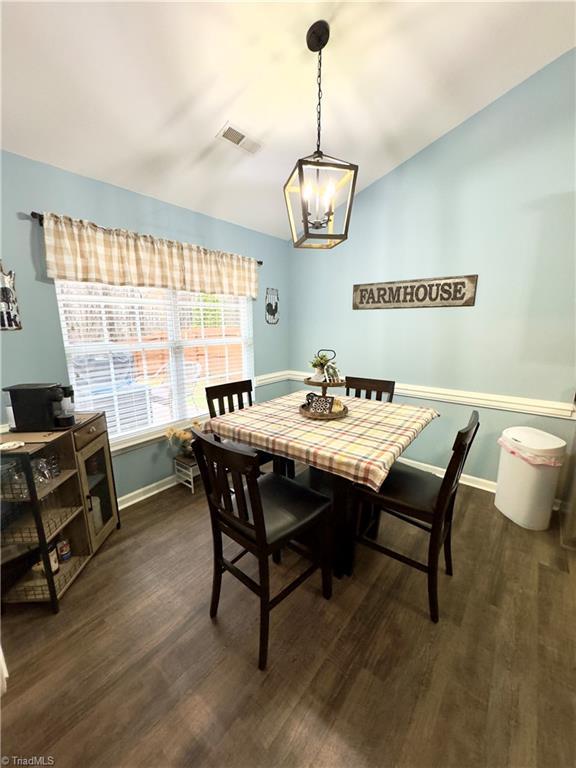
x,y
359,448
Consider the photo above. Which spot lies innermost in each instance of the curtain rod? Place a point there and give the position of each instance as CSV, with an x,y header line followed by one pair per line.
x,y
40,217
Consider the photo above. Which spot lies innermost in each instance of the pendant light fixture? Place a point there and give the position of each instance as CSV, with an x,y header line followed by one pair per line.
x,y
320,189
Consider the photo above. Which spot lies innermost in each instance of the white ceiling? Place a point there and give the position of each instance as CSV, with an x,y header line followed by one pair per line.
x,y
134,93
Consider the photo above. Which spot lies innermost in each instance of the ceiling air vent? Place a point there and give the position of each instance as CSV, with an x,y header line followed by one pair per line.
x,y
233,135
236,136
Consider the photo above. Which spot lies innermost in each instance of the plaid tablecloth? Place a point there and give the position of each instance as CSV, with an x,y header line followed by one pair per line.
x,y
360,447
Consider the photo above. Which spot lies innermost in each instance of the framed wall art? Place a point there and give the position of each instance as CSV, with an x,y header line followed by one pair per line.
x,y
9,312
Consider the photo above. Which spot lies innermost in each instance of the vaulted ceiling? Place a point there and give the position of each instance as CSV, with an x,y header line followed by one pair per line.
x,y
135,93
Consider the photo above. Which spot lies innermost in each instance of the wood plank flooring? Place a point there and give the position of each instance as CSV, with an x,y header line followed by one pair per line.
x,y
133,673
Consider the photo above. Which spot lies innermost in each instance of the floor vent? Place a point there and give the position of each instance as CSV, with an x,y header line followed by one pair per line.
x,y
237,137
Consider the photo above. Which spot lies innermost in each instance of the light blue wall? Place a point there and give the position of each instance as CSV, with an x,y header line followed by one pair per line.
x,y
494,197
36,353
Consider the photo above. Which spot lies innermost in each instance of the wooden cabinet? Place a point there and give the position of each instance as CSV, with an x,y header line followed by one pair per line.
x,y
58,485
90,430
95,467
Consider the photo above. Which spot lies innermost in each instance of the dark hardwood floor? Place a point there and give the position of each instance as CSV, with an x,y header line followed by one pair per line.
x,y
132,672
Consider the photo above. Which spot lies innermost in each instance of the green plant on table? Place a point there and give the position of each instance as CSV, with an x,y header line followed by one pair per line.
x,y
320,360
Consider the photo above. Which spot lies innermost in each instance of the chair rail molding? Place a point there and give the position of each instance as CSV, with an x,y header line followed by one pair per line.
x,y
552,408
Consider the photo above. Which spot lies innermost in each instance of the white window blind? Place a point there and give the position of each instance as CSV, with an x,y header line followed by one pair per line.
x,y
145,355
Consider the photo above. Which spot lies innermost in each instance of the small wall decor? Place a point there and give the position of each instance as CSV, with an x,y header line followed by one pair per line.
x,y
406,294
272,301
9,312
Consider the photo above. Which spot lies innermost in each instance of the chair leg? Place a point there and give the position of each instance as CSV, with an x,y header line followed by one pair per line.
x,y
448,550
277,556
278,465
325,547
364,513
374,527
290,469
433,578
448,539
264,611
217,574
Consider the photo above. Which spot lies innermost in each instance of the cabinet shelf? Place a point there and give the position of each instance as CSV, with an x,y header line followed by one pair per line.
x,y
23,530
43,490
12,552
33,588
94,480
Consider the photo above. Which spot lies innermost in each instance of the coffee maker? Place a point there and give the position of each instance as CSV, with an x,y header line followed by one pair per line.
x,y
40,407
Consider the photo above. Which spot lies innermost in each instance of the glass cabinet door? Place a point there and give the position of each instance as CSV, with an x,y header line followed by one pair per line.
x,y
98,486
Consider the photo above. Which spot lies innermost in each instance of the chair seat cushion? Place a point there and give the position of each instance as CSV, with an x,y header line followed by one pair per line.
x,y
406,489
288,507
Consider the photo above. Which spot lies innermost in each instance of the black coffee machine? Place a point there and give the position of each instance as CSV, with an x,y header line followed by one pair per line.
x,y
39,407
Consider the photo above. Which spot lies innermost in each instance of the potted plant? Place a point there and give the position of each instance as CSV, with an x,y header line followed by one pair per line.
x,y
182,438
319,362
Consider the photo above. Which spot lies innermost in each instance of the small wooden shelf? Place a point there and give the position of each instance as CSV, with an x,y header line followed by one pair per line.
x,y
185,467
43,490
33,588
12,552
23,530
325,384
94,480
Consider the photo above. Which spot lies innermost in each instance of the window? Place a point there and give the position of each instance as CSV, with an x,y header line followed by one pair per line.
x,y
144,355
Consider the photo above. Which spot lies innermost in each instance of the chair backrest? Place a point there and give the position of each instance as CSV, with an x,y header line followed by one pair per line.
x,y
460,451
237,512
380,386
224,395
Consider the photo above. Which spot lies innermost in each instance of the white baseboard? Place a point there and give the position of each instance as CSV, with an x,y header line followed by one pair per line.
x,y
168,482
475,482
148,490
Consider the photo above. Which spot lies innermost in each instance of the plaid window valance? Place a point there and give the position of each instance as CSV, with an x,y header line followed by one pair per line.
x,y
80,250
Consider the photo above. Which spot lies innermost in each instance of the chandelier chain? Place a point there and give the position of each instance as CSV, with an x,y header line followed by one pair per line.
x,y
319,106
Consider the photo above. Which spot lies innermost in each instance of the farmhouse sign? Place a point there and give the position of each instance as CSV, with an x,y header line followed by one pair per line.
x,y
404,294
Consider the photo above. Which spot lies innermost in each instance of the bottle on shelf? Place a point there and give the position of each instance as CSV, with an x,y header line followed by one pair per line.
x,y
63,549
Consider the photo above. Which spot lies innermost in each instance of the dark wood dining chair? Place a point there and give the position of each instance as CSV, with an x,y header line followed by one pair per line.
x,y
383,389
236,395
425,501
384,392
262,514
223,395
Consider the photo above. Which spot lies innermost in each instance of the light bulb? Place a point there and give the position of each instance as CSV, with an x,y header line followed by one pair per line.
x,y
328,199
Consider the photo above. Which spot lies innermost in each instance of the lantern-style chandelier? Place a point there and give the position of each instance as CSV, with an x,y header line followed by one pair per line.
x,y
320,189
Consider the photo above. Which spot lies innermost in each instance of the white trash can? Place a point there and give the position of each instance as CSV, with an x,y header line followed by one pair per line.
x,y
530,462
